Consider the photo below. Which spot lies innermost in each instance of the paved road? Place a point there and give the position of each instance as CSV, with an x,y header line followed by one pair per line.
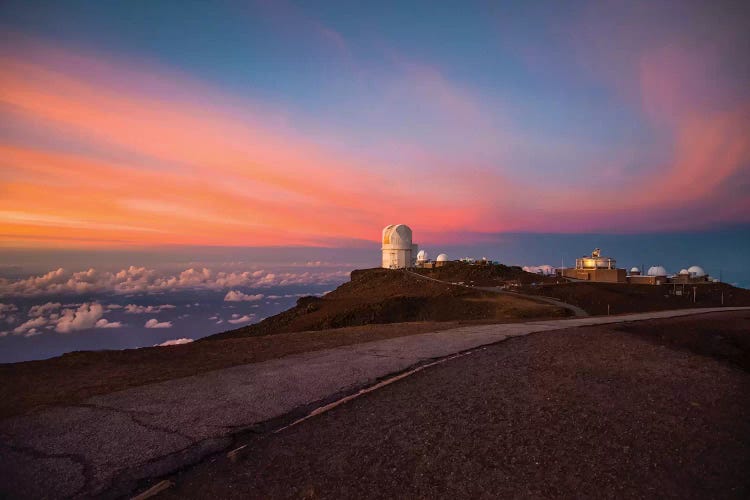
x,y
577,311
110,443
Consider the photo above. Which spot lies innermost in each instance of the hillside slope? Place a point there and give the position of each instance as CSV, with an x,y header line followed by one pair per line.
x,y
376,296
626,298
484,275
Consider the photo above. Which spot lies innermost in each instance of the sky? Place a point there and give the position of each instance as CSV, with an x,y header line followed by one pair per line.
x,y
316,123
159,155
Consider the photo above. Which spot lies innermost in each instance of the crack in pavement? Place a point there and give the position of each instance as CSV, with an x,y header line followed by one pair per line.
x,y
132,415
86,467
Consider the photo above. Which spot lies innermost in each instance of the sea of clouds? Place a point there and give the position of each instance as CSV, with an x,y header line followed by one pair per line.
x,y
63,310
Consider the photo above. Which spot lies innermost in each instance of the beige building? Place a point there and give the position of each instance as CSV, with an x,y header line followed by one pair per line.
x,y
596,268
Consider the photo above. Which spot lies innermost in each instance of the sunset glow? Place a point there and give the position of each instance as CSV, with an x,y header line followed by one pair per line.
x,y
110,145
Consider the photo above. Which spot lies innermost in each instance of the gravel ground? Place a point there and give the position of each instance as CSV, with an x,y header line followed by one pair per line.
x,y
586,412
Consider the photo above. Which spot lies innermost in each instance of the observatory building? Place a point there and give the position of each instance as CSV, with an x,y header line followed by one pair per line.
x,y
596,268
398,250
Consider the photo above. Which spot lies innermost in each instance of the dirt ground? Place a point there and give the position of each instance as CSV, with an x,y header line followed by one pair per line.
x,y
627,411
76,376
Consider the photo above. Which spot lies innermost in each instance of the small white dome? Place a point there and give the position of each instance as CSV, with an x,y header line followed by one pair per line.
x,y
422,256
442,258
696,271
635,270
657,271
684,271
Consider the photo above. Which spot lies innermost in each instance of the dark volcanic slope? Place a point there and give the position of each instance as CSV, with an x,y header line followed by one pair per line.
x,y
589,412
625,298
385,296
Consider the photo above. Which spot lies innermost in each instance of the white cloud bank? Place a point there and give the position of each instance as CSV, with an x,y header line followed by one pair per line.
x,y
104,323
237,296
43,309
136,309
7,308
144,280
87,315
544,269
237,319
154,323
174,342
6,313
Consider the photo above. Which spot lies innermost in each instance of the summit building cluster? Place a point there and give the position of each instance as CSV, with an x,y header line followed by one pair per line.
x,y
399,252
596,267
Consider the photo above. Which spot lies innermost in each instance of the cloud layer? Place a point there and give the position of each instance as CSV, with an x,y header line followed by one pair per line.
x,y
69,319
143,280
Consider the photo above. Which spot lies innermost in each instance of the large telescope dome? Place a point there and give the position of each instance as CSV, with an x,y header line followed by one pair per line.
x,y
397,237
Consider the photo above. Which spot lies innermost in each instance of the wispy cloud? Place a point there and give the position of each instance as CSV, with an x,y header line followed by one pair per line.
x,y
155,323
237,296
172,342
237,319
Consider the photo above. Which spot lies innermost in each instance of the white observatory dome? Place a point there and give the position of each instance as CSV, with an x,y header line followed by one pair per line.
x,y
696,271
635,270
397,237
442,258
657,271
422,256
684,272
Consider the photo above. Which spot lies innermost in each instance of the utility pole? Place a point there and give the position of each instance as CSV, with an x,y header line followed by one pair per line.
x,y
695,292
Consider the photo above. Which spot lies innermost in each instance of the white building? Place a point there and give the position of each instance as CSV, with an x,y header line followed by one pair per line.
x,y
398,250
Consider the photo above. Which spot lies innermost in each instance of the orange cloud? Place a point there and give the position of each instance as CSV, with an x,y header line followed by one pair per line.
x,y
199,174
140,156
